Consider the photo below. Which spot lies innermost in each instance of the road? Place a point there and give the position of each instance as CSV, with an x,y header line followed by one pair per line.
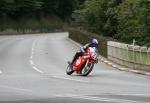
x,y
32,70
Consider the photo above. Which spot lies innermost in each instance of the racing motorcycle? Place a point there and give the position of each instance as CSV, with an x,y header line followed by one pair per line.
x,y
83,65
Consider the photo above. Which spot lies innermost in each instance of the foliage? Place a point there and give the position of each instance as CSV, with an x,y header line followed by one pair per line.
x,y
133,21
123,20
19,12
99,16
19,8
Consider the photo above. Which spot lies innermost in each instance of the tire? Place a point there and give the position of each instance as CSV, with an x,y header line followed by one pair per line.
x,y
69,70
89,68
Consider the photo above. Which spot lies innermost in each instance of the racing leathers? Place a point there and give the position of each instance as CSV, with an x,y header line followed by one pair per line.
x,y
83,50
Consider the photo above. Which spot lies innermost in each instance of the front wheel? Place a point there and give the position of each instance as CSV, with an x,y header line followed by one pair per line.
x,y
87,69
69,70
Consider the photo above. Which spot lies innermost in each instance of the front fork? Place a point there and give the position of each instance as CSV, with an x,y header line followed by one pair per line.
x,y
86,63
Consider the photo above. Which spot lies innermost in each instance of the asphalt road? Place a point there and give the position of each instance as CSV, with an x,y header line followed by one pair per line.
x,y
32,70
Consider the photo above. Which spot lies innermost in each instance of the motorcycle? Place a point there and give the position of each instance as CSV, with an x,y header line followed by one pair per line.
x,y
83,65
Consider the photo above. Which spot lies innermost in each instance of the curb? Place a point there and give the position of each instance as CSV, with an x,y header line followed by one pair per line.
x,y
121,68
114,65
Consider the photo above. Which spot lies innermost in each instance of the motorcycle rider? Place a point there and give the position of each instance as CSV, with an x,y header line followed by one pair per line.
x,y
93,43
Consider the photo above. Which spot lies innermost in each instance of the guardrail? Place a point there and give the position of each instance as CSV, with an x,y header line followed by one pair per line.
x,y
136,57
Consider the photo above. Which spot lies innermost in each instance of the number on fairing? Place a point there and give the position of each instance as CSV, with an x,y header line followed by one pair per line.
x,y
78,61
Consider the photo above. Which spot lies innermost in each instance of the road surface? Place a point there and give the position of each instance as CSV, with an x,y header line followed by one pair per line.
x,y
32,70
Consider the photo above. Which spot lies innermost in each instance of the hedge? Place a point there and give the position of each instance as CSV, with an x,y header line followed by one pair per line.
x,y
84,37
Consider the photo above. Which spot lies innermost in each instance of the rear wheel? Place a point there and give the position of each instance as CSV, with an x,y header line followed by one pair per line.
x,y
87,70
69,70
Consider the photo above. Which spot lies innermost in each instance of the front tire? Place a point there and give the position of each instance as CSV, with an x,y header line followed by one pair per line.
x,y
69,70
87,70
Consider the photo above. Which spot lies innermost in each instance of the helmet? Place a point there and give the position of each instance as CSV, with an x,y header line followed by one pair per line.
x,y
94,41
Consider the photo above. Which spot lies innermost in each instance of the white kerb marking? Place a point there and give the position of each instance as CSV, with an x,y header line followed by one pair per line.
x,y
124,68
106,61
147,73
110,63
115,66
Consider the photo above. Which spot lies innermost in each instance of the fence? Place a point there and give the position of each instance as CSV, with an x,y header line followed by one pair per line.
x,y
136,57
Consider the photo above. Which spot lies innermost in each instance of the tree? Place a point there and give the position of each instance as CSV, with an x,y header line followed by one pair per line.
x,y
27,8
100,16
124,20
7,8
133,20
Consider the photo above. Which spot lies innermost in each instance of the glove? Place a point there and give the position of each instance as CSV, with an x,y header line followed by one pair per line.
x,y
82,49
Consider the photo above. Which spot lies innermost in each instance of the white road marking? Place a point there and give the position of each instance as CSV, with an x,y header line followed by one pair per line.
x,y
102,59
124,68
31,59
136,71
147,73
1,72
115,66
35,68
31,62
110,63
100,99
71,79
14,88
106,61
134,94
